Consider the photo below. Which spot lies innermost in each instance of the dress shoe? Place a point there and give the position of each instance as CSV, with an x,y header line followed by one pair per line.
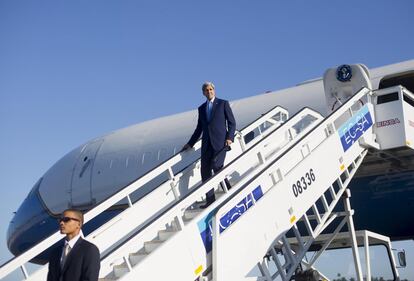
x,y
208,203
228,185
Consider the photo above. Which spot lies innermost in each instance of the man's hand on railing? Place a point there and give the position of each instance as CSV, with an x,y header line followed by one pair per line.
x,y
185,147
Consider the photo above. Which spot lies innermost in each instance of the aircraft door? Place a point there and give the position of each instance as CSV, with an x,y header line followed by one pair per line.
x,y
81,185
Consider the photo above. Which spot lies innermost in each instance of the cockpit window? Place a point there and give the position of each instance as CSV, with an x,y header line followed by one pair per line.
x,y
35,188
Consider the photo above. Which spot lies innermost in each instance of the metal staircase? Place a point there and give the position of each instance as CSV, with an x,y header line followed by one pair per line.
x,y
285,182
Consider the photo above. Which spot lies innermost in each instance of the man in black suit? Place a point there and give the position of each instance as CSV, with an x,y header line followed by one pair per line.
x,y
78,260
217,124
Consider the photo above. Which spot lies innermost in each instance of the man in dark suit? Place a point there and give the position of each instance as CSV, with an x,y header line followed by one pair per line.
x,y
78,260
217,125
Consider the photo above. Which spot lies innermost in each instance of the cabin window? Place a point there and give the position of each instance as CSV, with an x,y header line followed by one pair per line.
x,y
147,158
131,161
112,163
162,154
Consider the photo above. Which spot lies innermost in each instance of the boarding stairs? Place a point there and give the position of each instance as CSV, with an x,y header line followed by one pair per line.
x,y
285,182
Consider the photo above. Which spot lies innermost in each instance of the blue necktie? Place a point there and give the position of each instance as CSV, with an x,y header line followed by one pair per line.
x,y
209,107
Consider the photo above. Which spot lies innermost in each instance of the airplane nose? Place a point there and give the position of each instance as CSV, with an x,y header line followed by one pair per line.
x,y
36,217
30,224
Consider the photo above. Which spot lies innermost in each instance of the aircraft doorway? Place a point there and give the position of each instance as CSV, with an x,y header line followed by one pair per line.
x,y
405,79
81,185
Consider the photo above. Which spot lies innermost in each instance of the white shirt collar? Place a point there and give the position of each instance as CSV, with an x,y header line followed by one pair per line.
x,y
73,241
212,100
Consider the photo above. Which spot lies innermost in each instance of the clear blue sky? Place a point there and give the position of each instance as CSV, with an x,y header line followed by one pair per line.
x,y
74,70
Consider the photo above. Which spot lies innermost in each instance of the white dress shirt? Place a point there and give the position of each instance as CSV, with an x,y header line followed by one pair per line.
x,y
71,243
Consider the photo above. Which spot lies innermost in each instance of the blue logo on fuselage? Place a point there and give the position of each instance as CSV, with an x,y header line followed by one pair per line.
x,y
344,73
353,129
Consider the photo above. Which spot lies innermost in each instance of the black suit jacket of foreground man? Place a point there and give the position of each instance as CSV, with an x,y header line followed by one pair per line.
x,y
82,263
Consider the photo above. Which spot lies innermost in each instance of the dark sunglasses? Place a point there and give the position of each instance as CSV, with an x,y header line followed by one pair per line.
x,y
66,219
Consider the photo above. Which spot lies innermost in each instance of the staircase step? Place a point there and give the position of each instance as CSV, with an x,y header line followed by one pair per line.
x,y
174,225
150,246
136,258
219,194
219,191
191,213
120,270
165,234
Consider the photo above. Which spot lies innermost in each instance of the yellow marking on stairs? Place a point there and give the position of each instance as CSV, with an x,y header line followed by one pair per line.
x,y
198,270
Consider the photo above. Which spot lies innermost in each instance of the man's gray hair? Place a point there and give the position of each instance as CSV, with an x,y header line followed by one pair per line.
x,y
205,84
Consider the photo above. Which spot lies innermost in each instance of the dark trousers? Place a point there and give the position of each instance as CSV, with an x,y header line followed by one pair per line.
x,y
211,161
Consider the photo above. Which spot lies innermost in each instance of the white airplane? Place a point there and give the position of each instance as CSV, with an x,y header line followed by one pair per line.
x,y
99,168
